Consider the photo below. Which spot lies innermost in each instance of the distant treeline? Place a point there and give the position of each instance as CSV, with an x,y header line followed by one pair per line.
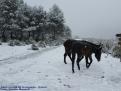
x,y
22,22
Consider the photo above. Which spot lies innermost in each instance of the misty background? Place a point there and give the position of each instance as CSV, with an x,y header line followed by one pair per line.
x,y
88,18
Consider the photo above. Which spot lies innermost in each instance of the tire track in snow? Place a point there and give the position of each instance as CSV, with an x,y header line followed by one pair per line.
x,y
10,71
17,58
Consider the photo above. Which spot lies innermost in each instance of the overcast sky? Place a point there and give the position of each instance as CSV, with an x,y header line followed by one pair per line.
x,y
88,18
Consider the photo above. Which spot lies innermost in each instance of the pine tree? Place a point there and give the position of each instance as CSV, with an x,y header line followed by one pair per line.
x,y
8,10
56,20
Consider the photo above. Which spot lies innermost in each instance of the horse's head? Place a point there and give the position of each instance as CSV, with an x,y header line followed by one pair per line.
x,y
98,52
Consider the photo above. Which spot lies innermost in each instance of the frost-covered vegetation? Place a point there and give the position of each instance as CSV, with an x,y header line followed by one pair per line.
x,y
24,23
34,47
116,52
107,44
110,46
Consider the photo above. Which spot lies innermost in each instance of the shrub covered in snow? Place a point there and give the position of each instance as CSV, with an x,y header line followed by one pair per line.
x,y
11,43
15,43
30,41
54,42
116,52
41,44
34,47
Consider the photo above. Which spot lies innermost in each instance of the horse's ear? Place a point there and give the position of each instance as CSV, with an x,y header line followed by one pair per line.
x,y
100,45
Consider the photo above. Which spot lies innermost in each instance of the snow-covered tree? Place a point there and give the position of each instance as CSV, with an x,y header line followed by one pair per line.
x,y
56,20
116,52
8,21
24,18
67,32
39,21
22,22
56,15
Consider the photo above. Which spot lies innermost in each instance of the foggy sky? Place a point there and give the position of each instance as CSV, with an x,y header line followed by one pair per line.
x,y
88,18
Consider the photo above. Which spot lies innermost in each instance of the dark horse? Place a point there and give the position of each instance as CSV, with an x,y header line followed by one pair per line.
x,y
81,48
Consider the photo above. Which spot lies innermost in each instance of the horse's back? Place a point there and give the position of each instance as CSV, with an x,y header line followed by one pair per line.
x,y
71,43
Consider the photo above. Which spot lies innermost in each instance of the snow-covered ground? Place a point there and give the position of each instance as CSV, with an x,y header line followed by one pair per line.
x,y
12,51
44,70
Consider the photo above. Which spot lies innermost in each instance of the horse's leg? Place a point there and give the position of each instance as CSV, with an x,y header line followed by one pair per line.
x,y
73,61
87,63
69,54
90,57
65,54
79,58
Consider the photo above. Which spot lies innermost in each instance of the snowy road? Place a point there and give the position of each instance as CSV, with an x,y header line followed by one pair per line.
x,y
46,71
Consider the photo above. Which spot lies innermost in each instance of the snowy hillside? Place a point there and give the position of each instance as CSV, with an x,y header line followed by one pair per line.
x,y
44,70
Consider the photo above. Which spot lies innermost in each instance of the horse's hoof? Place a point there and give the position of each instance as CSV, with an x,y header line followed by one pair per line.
x,y
87,67
65,62
73,71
